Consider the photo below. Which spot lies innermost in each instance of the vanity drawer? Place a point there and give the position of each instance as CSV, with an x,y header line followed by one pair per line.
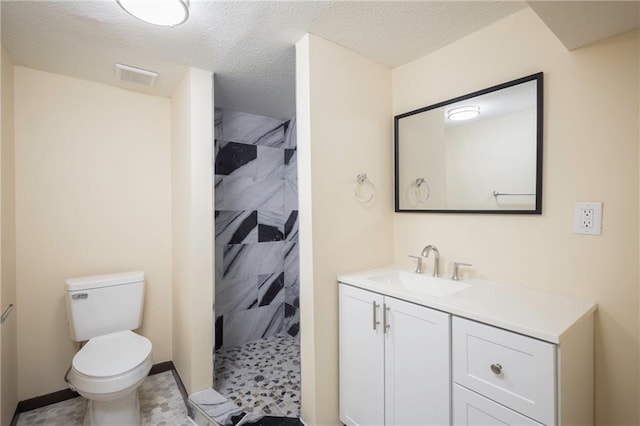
x,y
471,409
516,371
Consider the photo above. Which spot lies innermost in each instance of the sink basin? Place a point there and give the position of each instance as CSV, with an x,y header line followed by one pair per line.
x,y
420,283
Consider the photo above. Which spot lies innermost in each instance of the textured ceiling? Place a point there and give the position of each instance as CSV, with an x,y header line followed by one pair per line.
x,y
249,45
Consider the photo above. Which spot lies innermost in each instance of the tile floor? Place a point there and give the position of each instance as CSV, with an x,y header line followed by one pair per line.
x,y
262,376
161,404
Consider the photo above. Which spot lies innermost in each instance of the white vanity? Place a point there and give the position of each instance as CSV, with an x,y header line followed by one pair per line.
x,y
417,350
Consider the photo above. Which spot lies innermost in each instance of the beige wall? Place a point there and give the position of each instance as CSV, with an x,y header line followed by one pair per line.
x,y
9,355
344,128
192,206
93,196
590,154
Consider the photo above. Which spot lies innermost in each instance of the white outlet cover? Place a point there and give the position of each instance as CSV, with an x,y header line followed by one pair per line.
x,y
579,207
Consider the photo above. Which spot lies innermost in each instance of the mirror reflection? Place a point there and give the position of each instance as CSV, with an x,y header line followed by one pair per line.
x,y
478,153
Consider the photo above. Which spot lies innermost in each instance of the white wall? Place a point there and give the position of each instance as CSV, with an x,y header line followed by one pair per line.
x,y
590,153
192,206
480,160
423,159
93,196
9,355
344,128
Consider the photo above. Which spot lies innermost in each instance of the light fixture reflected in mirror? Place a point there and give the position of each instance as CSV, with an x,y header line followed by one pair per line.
x,y
158,12
463,113
465,162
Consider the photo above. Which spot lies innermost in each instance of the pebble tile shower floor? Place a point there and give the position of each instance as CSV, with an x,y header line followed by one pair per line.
x,y
262,376
161,404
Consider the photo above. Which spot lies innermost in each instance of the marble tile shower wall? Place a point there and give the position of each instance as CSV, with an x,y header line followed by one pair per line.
x,y
256,217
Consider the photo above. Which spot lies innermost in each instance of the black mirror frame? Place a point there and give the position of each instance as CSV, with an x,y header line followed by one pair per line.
x,y
539,77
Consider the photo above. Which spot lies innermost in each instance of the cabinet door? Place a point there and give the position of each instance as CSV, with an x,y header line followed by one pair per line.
x,y
417,366
471,409
361,357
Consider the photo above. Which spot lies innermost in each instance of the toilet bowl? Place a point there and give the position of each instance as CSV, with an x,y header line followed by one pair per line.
x,y
108,371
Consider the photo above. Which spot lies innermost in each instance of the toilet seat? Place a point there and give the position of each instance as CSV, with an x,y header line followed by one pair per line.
x,y
112,354
110,364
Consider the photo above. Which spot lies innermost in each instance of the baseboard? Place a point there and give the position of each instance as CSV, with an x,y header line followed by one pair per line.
x,y
44,400
182,388
65,394
161,367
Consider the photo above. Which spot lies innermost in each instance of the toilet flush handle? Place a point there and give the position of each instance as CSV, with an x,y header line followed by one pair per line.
x,y
78,296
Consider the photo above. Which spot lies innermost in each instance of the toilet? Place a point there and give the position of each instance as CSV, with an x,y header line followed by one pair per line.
x,y
114,361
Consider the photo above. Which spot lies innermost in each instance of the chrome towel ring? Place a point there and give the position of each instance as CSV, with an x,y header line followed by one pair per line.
x,y
363,186
422,190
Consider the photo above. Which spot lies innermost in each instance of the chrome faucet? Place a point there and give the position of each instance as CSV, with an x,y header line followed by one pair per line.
x,y
419,264
456,274
436,257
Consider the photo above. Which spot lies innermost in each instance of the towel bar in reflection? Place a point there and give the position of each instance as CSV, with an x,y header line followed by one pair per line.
x,y
510,194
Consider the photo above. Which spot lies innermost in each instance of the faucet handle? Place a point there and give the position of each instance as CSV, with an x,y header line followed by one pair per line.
x,y
419,264
455,276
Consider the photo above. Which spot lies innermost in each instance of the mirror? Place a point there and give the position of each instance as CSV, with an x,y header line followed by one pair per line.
x,y
477,153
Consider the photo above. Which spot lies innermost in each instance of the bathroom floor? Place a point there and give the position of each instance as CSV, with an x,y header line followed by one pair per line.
x,y
161,404
262,376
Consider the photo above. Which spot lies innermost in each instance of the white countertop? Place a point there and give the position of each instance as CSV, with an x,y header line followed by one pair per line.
x,y
542,315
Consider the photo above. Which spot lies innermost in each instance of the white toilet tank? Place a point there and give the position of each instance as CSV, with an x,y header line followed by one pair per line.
x,y
103,304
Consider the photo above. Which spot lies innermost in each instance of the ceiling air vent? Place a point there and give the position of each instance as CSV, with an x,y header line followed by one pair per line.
x,y
135,75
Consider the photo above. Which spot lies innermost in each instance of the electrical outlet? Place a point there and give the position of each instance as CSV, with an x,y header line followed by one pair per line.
x,y
587,218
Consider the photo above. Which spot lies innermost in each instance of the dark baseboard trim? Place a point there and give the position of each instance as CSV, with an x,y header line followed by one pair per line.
x,y
65,394
14,419
183,390
43,400
162,367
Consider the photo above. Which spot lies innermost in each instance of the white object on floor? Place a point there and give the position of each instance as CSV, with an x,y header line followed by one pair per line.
x,y
216,406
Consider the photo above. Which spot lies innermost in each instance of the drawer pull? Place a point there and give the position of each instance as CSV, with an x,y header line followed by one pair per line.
x,y
496,368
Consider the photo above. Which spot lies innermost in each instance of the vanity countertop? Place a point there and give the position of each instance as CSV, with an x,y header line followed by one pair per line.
x,y
542,315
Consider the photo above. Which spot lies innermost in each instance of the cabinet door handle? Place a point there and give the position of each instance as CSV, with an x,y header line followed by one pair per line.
x,y
496,368
375,315
385,318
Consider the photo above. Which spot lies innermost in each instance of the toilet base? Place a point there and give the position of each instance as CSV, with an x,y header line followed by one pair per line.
x,y
123,411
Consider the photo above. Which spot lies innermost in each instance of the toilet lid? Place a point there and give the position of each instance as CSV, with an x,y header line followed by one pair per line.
x,y
112,354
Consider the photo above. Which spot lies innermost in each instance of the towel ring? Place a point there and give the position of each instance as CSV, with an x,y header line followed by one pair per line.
x,y
362,180
421,186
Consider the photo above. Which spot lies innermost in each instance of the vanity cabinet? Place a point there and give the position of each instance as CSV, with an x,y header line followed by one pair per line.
x,y
482,354
394,361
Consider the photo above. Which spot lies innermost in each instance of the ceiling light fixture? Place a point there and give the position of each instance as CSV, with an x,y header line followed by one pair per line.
x,y
463,113
158,12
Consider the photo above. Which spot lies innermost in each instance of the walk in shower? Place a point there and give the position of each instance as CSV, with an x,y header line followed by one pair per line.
x,y
257,321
